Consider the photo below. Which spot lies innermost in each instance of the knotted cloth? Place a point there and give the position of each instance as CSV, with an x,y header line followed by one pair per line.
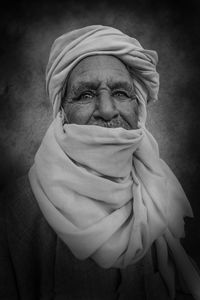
x,y
105,191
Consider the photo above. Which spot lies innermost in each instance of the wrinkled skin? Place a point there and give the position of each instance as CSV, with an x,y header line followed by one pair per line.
x,y
100,92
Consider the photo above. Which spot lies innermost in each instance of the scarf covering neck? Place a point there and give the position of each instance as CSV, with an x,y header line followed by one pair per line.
x,y
106,192
109,196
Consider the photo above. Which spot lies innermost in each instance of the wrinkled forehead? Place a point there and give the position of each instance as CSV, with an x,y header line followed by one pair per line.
x,y
99,68
99,61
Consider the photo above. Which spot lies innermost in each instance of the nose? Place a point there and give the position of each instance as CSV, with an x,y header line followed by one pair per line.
x,y
105,106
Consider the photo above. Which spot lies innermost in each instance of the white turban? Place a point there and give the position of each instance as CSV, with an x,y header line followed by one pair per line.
x,y
72,47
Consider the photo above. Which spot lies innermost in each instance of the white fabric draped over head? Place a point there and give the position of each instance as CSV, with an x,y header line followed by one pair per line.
x,y
106,192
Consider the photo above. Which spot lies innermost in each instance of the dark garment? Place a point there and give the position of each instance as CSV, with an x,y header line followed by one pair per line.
x,y
36,264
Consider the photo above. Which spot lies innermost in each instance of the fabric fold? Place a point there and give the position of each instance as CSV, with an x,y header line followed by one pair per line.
x,y
113,221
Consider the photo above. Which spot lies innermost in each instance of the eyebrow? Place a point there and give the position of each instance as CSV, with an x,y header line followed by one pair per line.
x,y
81,86
121,84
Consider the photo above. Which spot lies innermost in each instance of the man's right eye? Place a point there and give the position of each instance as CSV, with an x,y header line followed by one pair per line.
x,y
86,96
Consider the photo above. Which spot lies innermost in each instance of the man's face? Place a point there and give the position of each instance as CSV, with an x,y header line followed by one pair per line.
x,y
100,92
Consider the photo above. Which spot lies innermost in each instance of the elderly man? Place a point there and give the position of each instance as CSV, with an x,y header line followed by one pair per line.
x,y
101,215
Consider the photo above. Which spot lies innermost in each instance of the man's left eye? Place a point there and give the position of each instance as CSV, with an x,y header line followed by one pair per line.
x,y
121,94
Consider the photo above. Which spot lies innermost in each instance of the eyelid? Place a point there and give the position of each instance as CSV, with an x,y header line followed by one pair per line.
x,y
83,93
128,94
121,90
86,92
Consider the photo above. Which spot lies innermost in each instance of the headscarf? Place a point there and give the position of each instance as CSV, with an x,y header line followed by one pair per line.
x,y
106,192
72,47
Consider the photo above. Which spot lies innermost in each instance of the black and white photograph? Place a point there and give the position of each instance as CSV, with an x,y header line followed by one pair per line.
x,y
99,150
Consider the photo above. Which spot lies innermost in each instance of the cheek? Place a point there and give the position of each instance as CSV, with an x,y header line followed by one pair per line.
x,y
77,113
129,111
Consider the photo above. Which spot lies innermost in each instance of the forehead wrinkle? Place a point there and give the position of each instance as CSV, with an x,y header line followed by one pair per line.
x,y
82,85
116,84
96,83
113,75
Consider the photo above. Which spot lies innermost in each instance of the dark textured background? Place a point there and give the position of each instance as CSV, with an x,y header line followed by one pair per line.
x,y
169,27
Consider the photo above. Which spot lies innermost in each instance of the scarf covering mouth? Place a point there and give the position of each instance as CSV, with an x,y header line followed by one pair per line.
x,y
106,192
72,47
109,196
